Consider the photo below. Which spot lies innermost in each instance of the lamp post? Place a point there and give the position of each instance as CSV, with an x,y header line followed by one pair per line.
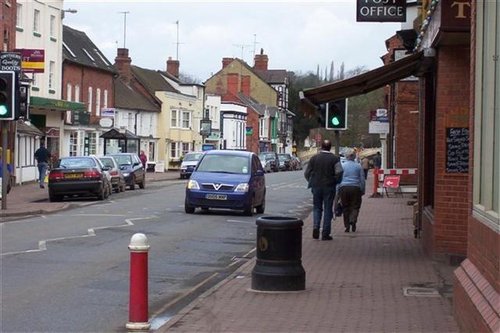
x,y
69,10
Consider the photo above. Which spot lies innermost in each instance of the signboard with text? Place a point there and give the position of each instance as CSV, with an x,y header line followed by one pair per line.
x,y
381,11
33,60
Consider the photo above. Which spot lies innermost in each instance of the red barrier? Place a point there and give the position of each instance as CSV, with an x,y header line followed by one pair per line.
x,y
138,305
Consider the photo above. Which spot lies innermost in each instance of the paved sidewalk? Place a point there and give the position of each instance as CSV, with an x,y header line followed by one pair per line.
x,y
354,283
30,199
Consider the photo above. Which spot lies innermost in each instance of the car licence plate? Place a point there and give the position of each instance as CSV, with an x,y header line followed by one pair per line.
x,y
216,196
73,175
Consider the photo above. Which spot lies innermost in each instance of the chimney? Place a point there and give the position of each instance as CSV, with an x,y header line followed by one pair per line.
x,y
173,67
122,63
260,61
226,62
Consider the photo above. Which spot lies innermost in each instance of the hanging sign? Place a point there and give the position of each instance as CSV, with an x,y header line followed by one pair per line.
x,y
381,11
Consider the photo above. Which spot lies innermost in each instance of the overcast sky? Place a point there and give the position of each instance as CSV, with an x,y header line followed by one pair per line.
x,y
296,36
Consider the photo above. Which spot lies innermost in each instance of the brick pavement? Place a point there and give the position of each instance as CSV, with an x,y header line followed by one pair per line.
x,y
353,284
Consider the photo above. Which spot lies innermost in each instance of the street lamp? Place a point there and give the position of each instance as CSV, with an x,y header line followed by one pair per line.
x,y
69,10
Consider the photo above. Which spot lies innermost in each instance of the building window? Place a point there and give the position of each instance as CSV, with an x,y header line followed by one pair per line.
x,y
174,118
52,26
52,68
486,197
77,93
186,119
185,148
92,143
105,98
69,91
89,101
98,102
19,16
173,150
36,21
130,120
73,143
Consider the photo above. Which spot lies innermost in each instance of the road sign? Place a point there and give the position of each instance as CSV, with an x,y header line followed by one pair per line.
x,y
391,181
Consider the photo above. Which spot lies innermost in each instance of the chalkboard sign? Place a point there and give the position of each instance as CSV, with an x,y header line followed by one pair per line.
x,y
457,150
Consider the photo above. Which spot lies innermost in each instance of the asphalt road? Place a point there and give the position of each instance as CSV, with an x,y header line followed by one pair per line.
x,y
69,272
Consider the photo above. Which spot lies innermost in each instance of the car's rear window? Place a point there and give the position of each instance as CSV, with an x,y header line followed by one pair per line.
x,y
225,164
192,157
77,163
123,159
107,161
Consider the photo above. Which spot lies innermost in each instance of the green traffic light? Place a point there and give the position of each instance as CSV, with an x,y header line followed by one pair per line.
x,y
3,110
335,121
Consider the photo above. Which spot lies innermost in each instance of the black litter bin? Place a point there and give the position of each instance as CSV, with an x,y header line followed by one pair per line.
x,y
279,255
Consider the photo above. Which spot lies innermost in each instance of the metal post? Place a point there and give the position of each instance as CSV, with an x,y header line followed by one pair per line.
x,y
5,171
337,143
138,305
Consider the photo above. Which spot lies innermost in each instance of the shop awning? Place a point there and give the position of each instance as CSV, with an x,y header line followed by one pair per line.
x,y
116,134
413,64
56,104
28,129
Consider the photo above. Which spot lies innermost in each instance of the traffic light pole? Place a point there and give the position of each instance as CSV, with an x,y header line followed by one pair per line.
x,y
5,172
337,143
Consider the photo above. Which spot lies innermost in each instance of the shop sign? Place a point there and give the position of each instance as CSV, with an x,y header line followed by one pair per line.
x,y
10,61
33,60
381,11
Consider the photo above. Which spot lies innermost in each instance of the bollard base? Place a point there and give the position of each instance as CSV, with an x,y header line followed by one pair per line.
x,y
138,327
266,278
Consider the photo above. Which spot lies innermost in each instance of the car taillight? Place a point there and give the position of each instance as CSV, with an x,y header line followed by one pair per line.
x,y
92,174
56,175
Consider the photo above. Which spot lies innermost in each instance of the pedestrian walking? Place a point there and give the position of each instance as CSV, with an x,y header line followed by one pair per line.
x,y
144,159
323,173
351,190
42,156
365,164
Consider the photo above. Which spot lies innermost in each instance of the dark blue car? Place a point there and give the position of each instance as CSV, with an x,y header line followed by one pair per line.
x,y
227,179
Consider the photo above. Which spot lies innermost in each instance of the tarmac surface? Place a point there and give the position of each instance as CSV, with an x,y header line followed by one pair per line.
x,y
376,279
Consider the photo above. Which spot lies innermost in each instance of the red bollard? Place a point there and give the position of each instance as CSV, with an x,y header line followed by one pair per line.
x,y
138,306
375,193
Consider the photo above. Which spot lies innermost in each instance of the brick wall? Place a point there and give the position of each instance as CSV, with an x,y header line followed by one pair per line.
x,y
406,128
86,77
450,190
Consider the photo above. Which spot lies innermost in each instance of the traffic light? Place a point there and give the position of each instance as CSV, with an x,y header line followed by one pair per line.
x,y
336,115
7,95
22,104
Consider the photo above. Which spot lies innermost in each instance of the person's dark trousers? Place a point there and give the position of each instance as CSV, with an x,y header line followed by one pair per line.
x,y
350,196
366,173
323,207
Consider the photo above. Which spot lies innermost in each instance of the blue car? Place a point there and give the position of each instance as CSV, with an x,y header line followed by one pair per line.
x,y
227,179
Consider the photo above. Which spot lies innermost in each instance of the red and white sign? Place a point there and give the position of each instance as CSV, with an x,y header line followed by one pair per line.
x,y
391,181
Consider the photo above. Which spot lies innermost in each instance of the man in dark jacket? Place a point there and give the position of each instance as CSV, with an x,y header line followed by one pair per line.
x,y
42,156
323,172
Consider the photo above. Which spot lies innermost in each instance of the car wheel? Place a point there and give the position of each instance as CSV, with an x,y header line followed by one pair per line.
x,y
102,194
262,207
142,184
188,208
248,211
132,184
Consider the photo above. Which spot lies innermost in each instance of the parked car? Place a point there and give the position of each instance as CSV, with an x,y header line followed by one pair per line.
x,y
227,179
131,169
273,159
117,180
79,176
266,164
285,162
189,162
